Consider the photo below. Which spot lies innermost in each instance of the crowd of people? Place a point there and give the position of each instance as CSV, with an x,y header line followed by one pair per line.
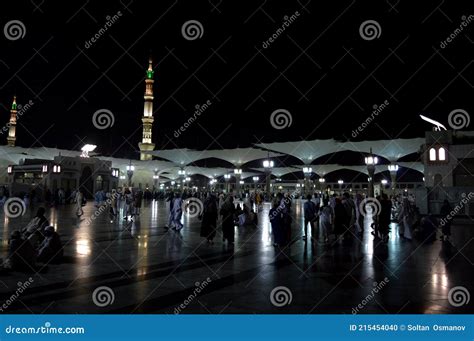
x,y
36,243
340,217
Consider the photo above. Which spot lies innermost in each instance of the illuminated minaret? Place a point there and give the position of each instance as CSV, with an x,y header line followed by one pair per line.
x,y
12,129
147,119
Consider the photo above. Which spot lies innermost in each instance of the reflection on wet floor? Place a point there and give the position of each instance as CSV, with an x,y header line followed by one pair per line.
x,y
152,270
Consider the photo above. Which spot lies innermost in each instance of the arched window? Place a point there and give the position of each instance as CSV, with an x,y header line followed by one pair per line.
x,y
442,154
432,154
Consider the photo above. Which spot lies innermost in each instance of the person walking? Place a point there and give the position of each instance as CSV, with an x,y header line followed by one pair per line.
x,y
325,221
228,215
277,224
310,213
340,219
79,199
359,215
209,218
384,217
137,203
128,204
177,212
445,211
406,218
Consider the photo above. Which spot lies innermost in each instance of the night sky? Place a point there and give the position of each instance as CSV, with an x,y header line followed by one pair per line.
x,y
320,69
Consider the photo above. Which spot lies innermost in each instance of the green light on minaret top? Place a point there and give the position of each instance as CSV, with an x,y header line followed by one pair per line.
x,y
150,72
14,103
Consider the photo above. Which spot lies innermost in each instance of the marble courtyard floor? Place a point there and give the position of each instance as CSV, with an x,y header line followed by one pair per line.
x,y
151,270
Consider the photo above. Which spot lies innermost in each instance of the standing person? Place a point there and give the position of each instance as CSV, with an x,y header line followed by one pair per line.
x,y
138,202
351,211
325,221
406,219
79,199
277,224
340,219
177,212
285,209
384,217
128,207
228,215
209,218
113,205
359,216
170,198
445,211
61,196
310,214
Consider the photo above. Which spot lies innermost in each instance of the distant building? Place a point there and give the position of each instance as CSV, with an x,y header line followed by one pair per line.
x,y
68,173
448,157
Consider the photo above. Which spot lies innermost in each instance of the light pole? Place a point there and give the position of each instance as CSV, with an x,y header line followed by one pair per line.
x,y
371,161
340,182
156,177
307,178
238,174
130,169
393,169
227,179
255,180
268,165
321,184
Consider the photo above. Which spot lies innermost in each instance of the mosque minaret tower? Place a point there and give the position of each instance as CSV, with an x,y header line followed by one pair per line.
x,y
147,119
11,139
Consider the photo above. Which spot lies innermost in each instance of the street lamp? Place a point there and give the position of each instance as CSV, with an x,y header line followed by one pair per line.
x,y
238,174
156,177
130,169
255,180
307,178
321,184
268,165
226,179
371,161
393,169
340,182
